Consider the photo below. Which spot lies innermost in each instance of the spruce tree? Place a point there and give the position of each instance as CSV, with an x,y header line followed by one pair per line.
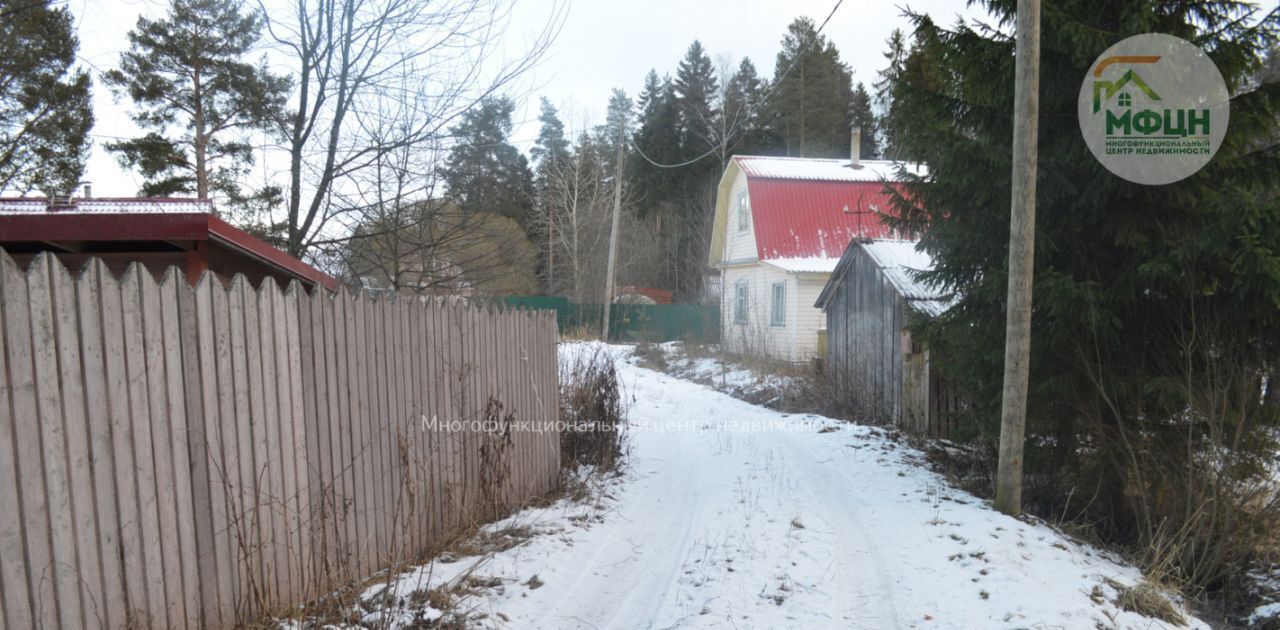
x,y
697,95
808,108
658,136
617,118
895,55
1148,300
198,98
741,109
45,109
484,172
695,88
861,116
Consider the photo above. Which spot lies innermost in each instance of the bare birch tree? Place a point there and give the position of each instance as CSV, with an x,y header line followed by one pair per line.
x,y
576,201
352,58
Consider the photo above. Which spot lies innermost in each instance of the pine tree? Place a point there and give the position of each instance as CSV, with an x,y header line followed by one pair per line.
x,y
861,116
45,109
1148,300
550,150
551,144
484,172
808,109
197,97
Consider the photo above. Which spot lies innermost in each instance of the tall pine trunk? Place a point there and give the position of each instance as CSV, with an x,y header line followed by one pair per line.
x,y
200,140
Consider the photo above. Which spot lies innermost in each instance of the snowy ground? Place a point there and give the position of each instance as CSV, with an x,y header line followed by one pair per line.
x,y
734,516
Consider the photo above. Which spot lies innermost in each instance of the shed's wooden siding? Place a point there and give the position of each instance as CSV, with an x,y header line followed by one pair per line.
x,y
875,369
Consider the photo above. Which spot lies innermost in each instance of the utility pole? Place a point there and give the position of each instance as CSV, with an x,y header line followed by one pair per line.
x,y
613,231
1022,240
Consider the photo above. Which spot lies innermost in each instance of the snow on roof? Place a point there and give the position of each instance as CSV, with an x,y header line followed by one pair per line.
x,y
105,205
812,264
815,169
899,261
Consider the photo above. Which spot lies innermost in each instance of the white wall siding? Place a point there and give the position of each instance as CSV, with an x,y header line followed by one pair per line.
x,y
809,319
797,340
756,337
738,246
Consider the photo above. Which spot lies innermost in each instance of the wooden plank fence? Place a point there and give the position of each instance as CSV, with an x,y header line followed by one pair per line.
x,y
191,457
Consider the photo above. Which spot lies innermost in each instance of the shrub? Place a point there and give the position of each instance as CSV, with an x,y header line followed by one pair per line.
x,y
592,409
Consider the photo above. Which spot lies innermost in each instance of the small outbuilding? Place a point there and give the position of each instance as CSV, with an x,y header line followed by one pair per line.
x,y
874,365
157,232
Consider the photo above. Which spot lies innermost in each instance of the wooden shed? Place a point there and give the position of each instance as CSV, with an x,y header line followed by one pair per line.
x,y
875,367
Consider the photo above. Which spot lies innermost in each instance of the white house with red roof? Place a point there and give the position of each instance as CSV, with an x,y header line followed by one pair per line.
x,y
781,225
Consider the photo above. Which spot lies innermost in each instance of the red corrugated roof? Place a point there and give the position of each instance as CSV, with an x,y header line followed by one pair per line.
x,y
807,218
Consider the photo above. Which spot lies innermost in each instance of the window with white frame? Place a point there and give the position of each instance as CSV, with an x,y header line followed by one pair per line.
x,y
778,314
744,213
740,303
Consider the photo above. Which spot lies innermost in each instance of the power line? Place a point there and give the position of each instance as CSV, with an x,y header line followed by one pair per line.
x,y
753,108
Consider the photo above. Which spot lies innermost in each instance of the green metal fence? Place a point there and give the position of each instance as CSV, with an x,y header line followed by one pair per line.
x,y
631,322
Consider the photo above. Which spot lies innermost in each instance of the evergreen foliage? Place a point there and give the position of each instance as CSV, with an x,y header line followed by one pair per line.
x,y
861,116
1155,307
695,88
808,109
659,137
485,173
743,97
896,56
551,145
197,98
45,111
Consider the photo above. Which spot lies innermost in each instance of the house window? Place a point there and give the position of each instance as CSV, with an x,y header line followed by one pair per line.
x,y
778,316
740,303
744,213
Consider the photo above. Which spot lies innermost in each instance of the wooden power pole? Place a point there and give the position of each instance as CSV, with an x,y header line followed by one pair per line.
x,y
613,230
1022,240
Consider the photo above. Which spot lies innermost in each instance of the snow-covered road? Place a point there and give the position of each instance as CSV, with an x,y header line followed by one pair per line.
x,y
735,516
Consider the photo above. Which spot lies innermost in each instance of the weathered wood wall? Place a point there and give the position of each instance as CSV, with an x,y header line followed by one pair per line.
x,y
875,369
180,457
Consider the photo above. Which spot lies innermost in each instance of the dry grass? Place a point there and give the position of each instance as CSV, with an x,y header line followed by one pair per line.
x,y
781,386
488,542
581,332
593,411
1149,600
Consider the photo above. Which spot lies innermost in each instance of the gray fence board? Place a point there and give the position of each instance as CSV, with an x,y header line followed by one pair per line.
x,y
190,457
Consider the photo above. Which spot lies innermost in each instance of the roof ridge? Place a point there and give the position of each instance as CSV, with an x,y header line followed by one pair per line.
x,y
794,158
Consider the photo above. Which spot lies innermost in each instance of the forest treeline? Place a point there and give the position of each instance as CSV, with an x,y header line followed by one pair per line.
x,y
316,127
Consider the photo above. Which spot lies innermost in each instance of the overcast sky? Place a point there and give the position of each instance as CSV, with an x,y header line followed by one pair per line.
x,y
603,44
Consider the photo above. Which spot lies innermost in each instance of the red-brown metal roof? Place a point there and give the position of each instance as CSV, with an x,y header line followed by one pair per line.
x,y
809,208
153,226
815,219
